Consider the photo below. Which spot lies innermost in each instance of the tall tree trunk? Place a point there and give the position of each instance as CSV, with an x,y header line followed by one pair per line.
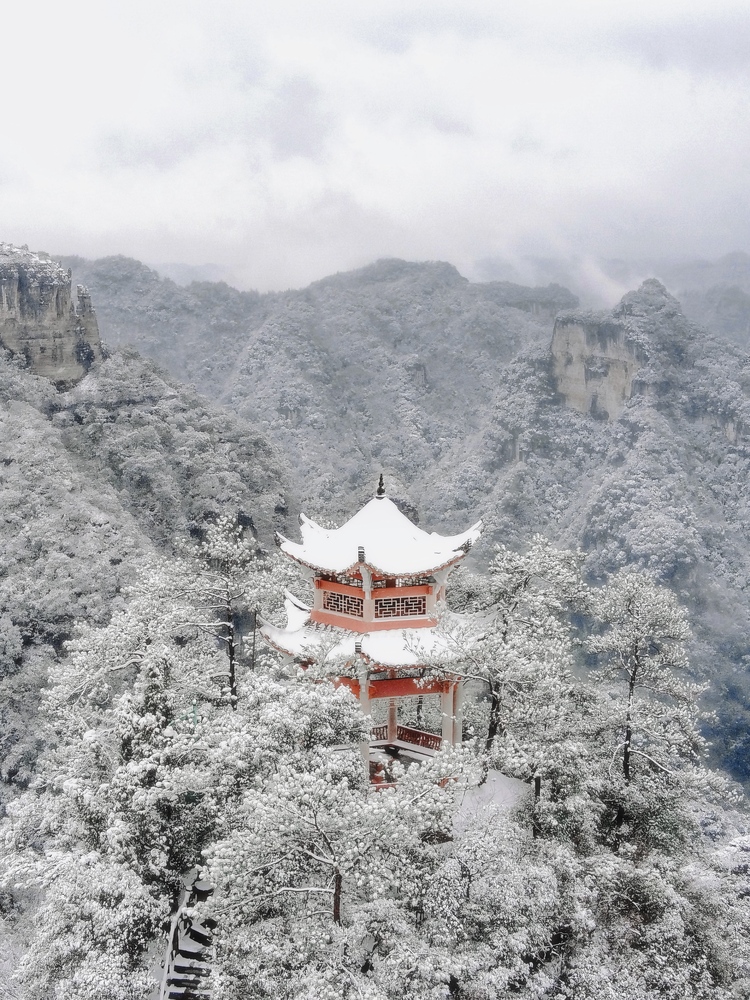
x,y
626,754
231,652
255,631
492,730
495,703
629,718
337,898
494,724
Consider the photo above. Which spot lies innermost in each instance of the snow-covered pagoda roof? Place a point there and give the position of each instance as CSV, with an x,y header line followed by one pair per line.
x,y
380,537
388,647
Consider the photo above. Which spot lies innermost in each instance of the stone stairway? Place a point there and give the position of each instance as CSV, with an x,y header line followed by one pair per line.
x,y
187,964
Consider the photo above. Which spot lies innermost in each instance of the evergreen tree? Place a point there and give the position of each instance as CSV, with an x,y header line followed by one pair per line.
x,y
657,750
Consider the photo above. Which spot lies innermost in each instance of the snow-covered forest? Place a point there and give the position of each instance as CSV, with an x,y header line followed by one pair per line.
x,y
446,386
147,737
164,748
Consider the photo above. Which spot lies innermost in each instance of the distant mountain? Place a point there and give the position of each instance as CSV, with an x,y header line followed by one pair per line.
x,y
186,274
382,368
195,332
714,293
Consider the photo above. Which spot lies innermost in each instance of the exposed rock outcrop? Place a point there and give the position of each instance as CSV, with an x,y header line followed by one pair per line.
x,y
597,356
593,363
39,320
646,347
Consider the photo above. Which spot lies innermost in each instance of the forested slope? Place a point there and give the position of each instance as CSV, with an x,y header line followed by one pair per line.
x,y
379,368
664,487
91,481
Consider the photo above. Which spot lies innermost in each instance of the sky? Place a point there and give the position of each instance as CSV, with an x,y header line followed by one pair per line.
x,y
284,145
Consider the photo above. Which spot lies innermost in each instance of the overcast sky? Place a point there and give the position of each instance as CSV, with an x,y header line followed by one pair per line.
x,y
286,145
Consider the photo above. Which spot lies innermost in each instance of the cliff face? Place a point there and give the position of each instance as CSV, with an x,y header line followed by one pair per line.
x,y
39,320
645,347
593,364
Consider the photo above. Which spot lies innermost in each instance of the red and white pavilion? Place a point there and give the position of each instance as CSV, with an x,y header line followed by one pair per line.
x,y
378,581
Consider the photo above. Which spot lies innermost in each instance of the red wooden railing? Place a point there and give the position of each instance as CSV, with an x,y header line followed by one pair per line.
x,y
419,738
406,734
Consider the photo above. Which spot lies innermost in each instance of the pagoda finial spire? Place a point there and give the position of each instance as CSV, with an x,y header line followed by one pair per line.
x,y
380,492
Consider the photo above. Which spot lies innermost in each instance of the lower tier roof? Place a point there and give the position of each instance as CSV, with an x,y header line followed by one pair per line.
x,y
394,647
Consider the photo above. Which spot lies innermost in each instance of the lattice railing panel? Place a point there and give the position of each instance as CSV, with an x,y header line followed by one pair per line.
x,y
343,604
419,738
400,607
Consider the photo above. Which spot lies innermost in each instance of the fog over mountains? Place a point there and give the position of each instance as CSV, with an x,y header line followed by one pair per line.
x,y
715,293
453,389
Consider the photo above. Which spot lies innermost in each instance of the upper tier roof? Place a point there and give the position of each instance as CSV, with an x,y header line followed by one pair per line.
x,y
393,546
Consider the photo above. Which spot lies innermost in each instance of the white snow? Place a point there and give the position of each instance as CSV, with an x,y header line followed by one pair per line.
x,y
297,613
389,648
482,803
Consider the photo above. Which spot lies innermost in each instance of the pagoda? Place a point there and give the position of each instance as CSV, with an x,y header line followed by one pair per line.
x,y
378,582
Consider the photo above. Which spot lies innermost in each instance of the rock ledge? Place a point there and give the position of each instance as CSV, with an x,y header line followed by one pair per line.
x,y
39,321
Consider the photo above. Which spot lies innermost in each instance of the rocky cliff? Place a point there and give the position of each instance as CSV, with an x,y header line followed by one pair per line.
x,y
601,360
39,321
593,364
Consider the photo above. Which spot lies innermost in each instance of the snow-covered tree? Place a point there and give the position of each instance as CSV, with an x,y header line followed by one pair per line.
x,y
515,639
94,928
656,748
314,860
228,568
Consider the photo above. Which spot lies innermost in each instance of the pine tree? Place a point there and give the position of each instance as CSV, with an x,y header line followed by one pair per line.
x,y
653,711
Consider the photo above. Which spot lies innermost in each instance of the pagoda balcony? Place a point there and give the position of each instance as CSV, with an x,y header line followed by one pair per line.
x,y
349,606
354,589
363,625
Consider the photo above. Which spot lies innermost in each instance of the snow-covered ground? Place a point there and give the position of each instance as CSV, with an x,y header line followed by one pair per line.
x,y
497,796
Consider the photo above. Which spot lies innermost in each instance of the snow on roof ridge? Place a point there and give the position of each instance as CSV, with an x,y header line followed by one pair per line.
x,y
383,538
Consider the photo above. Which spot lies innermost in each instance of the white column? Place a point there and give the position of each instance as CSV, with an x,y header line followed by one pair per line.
x,y
441,578
446,707
458,713
368,603
392,719
364,704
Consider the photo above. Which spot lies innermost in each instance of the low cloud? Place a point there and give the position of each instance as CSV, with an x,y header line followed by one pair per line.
x,y
285,145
